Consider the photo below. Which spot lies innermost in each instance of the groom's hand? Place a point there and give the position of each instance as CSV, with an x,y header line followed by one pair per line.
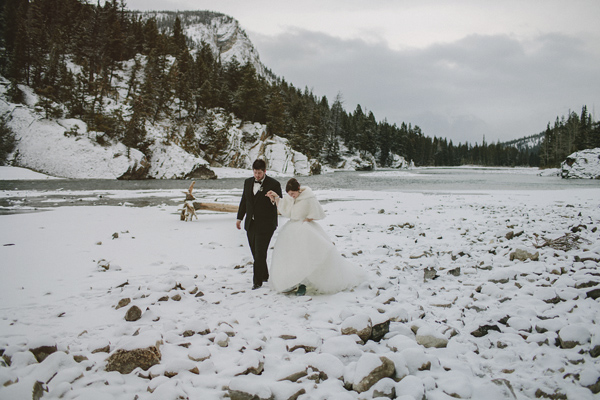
x,y
238,224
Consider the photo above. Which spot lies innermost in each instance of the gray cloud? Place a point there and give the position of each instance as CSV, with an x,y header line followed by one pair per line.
x,y
492,85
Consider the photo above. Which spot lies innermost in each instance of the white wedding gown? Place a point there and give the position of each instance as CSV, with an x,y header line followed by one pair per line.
x,y
304,254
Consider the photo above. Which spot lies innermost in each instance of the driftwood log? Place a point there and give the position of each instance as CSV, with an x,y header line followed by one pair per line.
x,y
188,210
222,207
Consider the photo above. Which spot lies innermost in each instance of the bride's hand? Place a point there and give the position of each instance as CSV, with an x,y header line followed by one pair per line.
x,y
308,219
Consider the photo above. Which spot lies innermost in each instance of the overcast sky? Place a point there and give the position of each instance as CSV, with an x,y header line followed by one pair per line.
x,y
459,69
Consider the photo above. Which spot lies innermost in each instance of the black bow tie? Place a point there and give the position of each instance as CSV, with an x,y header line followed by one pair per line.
x,y
259,182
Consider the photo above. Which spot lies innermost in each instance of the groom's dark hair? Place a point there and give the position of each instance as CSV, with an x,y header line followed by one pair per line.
x,y
259,164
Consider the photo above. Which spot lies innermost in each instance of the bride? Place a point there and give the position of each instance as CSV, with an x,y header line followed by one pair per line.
x,y
303,254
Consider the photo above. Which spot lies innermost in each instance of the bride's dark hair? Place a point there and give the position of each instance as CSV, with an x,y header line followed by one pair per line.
x,y
292,185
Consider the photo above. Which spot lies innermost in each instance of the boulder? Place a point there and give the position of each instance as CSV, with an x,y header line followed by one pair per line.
x,y
428,337
249,388
573,335
40,353
123,303
583,164
484,329
133,314
370,369
379,330
137,170
201,171
125,361
360,325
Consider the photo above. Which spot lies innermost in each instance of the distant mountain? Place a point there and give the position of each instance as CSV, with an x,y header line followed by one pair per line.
x,y
221,32
532,142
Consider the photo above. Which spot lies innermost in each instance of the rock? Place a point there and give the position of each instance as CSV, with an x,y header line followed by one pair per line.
x,y
199,354
595,388
454,271
540,394
123,303
593,294
428,337
380,330
38,390
295,376
222,339
248,388
105,349
40,353
484,329
201,171
136,171
253,362
385,388
583,164
585,285
103,265
79,358
370,370
125,361
429,274
573,335
360,325
524,255
410,387
133,314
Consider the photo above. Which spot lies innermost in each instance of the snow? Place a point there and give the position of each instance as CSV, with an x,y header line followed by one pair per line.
x,y
53,293
16,173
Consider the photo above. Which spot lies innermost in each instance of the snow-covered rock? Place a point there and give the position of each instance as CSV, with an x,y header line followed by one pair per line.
x,y
583,164
64,147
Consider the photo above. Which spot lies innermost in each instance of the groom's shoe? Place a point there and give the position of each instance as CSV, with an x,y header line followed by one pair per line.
x,y
301,290
256,286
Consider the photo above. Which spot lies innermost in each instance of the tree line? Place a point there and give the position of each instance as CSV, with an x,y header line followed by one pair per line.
x,y
72,54
568,135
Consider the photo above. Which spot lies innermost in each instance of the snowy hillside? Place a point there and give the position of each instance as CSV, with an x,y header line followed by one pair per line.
x,y
65,148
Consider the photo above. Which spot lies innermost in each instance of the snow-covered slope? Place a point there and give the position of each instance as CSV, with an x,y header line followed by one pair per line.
x,y
583,164
66,148
63,147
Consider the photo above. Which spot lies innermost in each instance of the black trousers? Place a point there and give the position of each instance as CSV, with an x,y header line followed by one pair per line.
x,y
259,244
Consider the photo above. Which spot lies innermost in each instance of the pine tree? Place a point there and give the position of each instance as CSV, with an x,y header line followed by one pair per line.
x,y
276,113
214,140
7,140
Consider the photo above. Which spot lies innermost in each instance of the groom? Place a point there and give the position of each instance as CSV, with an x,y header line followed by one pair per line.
x,y
261,218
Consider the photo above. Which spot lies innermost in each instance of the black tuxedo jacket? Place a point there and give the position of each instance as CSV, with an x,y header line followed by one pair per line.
x,y
259,209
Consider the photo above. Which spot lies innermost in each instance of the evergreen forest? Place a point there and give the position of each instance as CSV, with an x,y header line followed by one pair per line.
x,y
69,52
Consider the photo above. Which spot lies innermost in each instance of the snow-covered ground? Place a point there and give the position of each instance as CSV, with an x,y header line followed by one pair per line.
x,y
505,328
